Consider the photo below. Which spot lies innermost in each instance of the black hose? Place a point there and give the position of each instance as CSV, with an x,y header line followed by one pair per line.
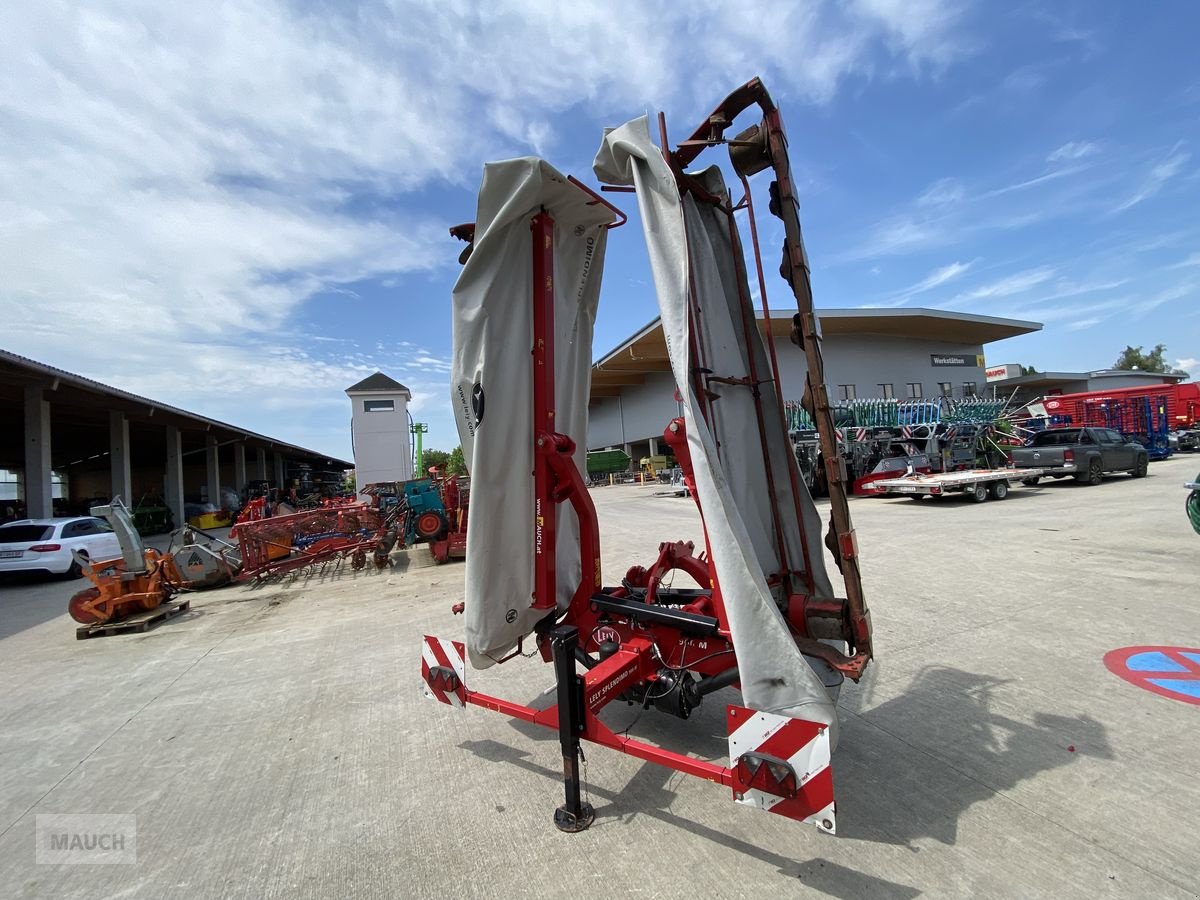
x,y
582,656
715,682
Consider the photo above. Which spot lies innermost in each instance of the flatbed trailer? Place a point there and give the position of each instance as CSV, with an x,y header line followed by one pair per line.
x,y
978,484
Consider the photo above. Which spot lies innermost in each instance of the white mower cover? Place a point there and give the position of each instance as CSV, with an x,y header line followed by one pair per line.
x,y
491,386
732,482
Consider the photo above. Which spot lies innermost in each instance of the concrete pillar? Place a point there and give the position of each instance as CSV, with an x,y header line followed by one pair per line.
x,y
39,497
261,474
239,466
213,469
118,457
279,470
633,463
654,446
173,489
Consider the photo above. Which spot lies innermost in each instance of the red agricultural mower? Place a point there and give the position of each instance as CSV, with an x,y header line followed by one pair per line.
x,y
763,617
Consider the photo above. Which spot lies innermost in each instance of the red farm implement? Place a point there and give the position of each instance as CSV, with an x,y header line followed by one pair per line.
x,y
764,617
313,539
1147,414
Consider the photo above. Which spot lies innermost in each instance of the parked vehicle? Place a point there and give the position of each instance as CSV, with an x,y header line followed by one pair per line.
x,y
45,545
977,484
1086,454
603,463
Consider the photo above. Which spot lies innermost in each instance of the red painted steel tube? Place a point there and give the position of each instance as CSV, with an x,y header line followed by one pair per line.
x,y
545,562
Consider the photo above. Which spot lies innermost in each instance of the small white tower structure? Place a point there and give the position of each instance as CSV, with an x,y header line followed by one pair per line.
x,y
379,430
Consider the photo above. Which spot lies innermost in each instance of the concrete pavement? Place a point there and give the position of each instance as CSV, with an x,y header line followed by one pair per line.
x,y
274,741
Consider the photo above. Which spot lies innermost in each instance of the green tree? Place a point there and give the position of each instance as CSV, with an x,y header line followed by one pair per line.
x,y
1154,361
439,458
1029,370
456,464
348,483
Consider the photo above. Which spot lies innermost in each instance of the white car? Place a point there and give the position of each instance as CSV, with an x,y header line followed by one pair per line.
x,y
45,545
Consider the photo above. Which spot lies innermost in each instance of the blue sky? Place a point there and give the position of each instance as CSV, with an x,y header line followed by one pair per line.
x,y
242,209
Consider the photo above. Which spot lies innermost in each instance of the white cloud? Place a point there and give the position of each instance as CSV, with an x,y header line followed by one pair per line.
x,y
1025,80
1067,288
1031,182
1159,174
1010,285
941,276
943,192
893,237
934,279
190,175
1074,150
1190,365
1090,312
927,30
1144,305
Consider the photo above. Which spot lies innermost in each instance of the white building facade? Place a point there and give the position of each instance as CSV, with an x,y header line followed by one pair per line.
x,y
380,432
900,353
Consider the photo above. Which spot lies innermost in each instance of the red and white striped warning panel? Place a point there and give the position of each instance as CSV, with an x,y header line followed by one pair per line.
x,y
443,670
781,764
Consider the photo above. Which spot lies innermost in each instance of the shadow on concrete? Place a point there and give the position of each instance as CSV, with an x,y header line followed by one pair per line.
x,y
907,769
29,600
1070,482
955,500
910,767
653,797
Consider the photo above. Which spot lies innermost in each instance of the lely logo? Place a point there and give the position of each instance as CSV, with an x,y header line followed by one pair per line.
x,y
606,633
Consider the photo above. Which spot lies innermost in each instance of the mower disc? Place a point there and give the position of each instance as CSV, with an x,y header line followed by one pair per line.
x,y
81,613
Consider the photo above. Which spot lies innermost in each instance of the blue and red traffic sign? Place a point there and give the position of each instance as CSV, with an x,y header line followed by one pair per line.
x,y
1167,671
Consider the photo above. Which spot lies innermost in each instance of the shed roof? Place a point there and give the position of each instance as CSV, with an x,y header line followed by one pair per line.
x,y
379,383
646,351
81,407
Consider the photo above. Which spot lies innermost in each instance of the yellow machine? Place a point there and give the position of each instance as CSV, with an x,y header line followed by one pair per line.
x,y
652,465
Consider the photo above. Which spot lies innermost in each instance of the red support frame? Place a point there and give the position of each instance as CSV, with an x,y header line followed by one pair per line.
x,y
544,534
641,642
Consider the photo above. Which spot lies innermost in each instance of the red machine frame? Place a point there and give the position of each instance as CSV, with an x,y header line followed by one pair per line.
x,y
268,547
640,641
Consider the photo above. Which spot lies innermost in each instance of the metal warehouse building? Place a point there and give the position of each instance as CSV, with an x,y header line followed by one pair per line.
x,y
902,353
66,436
1024,388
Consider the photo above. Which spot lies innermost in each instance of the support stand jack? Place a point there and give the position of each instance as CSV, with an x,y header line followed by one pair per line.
x,y
574,815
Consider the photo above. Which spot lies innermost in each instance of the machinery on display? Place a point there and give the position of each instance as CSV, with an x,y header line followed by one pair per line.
x,y
142,578
880,439
763,616
1148,415
313,539
434,512
1192,504
603,464
655,467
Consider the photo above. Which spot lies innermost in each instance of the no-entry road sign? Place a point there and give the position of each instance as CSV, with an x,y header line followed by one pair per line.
x,y
1167,671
